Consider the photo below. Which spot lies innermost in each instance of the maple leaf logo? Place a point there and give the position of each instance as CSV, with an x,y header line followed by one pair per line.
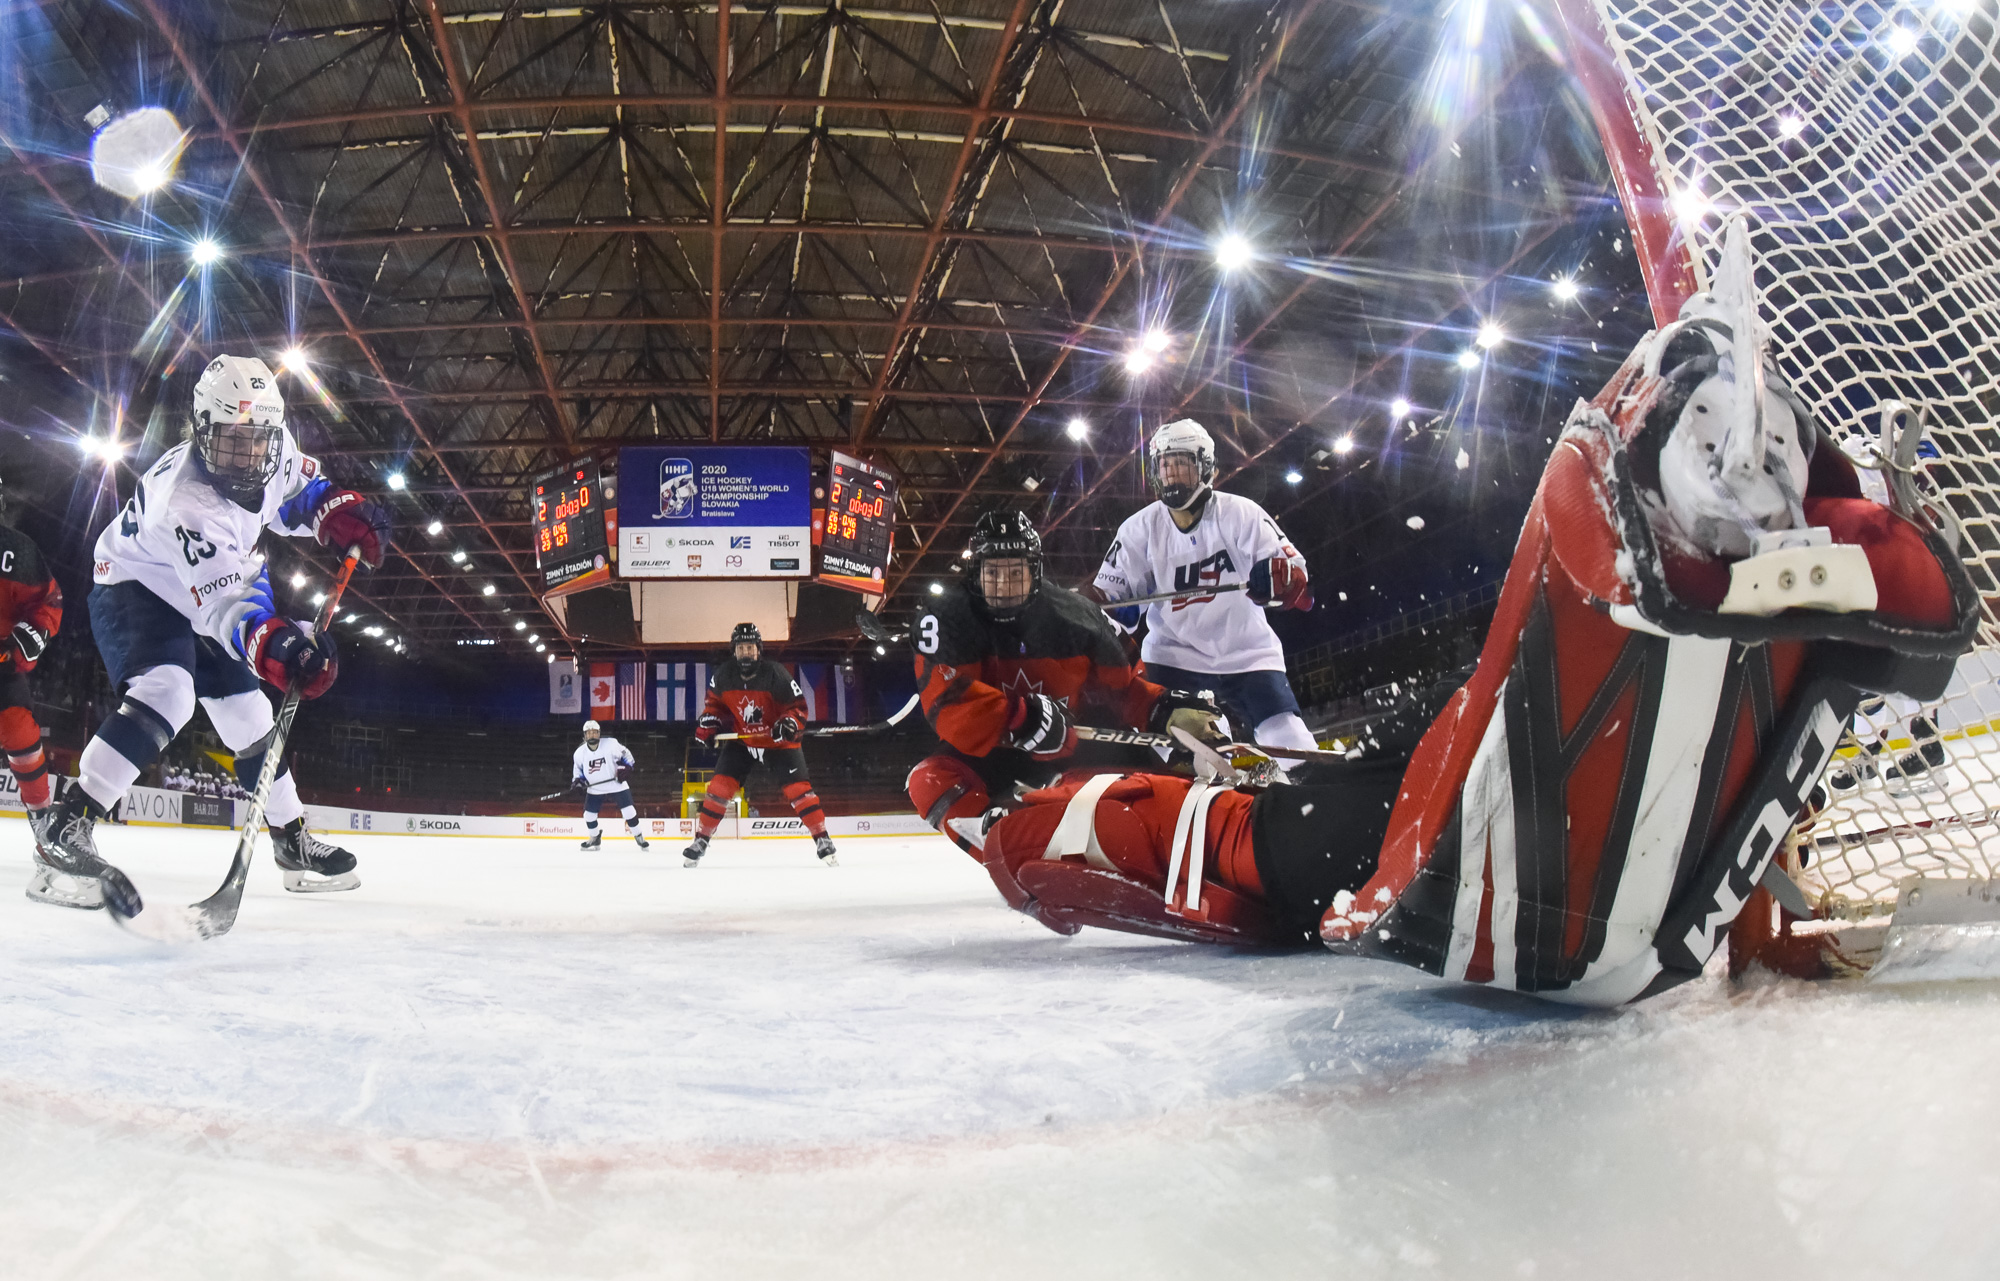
x,y
1020,686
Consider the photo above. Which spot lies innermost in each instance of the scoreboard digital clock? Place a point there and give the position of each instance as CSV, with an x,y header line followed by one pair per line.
x,y
860,529
570,538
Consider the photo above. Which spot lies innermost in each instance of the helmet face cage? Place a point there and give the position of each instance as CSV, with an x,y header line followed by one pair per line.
x,y
746,634
1188,439
241,456
1004,536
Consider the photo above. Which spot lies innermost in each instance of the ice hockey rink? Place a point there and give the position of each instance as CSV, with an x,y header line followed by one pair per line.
x,y
507,1058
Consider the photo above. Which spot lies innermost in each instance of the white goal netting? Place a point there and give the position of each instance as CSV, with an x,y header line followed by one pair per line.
x,y
1863,140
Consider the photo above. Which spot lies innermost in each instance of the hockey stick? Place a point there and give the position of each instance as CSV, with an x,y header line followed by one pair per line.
x,y
1142,738
826,731
212,917
872,628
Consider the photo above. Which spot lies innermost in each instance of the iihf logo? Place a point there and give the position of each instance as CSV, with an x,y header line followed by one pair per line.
x,y
677,489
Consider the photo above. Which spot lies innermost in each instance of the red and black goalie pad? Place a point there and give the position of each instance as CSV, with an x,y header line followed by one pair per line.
x,y
1591,810
28,594
753,705
973,672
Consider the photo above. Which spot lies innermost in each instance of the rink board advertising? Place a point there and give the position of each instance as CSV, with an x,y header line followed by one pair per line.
x,y
714,512
570,541
860,528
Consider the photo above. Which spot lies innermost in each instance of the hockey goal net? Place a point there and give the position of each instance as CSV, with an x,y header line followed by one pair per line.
x,y
1861,140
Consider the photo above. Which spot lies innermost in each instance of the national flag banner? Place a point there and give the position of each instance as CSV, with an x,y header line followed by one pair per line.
x,y
565,690
846,696
816,679
603,691
631,691
683,688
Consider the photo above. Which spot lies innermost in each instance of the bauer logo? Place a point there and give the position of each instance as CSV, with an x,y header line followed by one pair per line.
x,y
777,825
678,489
785,562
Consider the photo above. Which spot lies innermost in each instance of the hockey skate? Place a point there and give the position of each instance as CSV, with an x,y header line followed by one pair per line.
x,y
593,841
311,866
692,854
68,871
639,839
824,845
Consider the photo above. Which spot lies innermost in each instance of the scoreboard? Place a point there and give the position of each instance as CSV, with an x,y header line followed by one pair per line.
x,y
570,539
860,526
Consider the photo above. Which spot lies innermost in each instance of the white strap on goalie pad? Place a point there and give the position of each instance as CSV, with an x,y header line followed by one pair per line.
x,y
1191,843
1077,832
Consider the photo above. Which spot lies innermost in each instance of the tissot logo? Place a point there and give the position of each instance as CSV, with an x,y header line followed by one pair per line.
x,y
783,540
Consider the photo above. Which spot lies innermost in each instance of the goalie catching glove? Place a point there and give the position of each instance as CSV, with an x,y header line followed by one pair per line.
x,y
1194,713
281,652
345,519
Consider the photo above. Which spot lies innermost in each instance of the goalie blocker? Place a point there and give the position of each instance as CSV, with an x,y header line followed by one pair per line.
x,y
1592,809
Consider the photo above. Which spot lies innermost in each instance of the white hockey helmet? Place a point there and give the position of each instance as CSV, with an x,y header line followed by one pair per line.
x,y
592,727
236,422
1182,436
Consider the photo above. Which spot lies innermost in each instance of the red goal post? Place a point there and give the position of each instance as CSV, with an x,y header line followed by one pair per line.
x,y
1860,139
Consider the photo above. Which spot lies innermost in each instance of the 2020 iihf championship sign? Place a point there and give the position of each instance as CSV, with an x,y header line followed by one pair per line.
x,y
714,512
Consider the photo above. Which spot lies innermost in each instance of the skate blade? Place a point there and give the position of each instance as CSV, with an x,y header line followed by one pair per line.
x,y
829,860
1944,931
299,882
690,862
57,890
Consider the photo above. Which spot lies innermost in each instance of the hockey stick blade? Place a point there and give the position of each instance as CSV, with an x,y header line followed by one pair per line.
x,y
872,628
214,915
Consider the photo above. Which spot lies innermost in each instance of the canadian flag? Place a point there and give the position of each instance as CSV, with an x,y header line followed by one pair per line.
x,y
603,691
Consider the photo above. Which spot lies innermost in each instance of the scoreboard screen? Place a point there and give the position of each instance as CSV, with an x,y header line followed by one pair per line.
x,y
860,525
569,510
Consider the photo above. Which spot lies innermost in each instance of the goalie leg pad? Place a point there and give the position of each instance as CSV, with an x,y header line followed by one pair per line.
x,y
944,788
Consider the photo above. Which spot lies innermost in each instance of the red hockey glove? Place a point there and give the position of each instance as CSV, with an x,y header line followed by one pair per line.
x,y
345,519
30,642
1040,726
787,730
1278,579
706,729
281,653
624,772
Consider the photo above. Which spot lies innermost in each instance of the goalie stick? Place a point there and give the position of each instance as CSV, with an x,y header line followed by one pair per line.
x,y
212,917
872,627
827,731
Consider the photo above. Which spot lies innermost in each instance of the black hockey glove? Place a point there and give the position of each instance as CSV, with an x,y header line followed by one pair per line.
x,y
787,730
706,729
576,785
1194,712
30,641
1040,726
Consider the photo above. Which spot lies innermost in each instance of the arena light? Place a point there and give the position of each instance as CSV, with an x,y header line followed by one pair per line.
x,y
521,626
1468,359
396,480
1564,289
1491,335
98,447
1293,476
371,631
135,155
458,556
488,590
1690,206
1078,429
204,251
1399,409
937,589
1138,360
294,360
1345,445
1902,41
880,650
319,598
1791,126
1155,341
1233,252
534,640
435,528
552,658
541,649
298,580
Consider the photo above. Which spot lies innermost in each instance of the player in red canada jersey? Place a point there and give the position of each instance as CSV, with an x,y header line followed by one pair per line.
x,y
757,699
1004,663
31,606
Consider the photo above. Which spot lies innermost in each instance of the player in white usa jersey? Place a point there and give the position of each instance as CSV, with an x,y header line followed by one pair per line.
x,y
1199,539
601,766
182,611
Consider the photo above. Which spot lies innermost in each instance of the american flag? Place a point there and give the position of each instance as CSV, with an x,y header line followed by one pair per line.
x,y
631,691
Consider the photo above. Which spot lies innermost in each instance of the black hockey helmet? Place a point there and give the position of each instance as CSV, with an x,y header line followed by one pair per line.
x,y
1004,535
746,634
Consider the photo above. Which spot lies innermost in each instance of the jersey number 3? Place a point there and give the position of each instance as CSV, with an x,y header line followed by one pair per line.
x,y
927,634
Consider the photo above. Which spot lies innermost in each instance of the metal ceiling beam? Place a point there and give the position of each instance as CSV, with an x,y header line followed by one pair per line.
x,y
747,391
948,203
1215,141
198,82
718,201
503,243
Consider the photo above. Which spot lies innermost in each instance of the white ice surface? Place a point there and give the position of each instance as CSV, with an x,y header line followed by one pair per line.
x,y
509,1059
